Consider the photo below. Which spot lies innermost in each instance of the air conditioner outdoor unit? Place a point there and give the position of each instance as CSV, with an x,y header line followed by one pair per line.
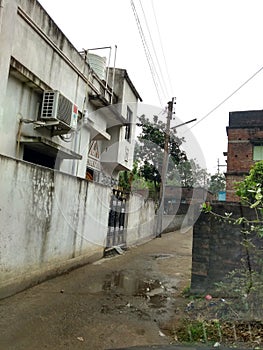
x,y
56,107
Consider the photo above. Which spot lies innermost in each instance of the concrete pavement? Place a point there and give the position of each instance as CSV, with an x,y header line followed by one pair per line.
x,y
177,347
115,303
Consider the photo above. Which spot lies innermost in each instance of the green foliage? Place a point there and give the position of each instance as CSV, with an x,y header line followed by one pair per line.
x,y
244,285
251,193
150,173
199,177
149,155
149,150
152,140
186,291
134,180
127,178
250,189
217,183
124,181
206,207
189,174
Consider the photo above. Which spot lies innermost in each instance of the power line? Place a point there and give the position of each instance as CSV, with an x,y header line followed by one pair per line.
x,y
154,73
161,44
229,96
162,84
146,50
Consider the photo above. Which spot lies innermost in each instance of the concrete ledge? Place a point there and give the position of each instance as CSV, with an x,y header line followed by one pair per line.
x,y
32,278
141,241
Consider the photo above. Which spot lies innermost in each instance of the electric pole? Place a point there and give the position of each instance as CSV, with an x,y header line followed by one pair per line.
x,y
164,168
165,164
219,165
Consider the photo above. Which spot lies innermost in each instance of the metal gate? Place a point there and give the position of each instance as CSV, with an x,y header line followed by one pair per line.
x,y
116,222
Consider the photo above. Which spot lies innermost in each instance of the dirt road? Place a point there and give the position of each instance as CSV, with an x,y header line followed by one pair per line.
x,y
116,302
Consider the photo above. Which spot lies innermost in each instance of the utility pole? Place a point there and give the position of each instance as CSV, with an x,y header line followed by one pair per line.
x,y
219,165
165,164
164,168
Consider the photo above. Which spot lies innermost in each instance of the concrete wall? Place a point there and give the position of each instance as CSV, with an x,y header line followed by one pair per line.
x,y
50,221
217,247
140,220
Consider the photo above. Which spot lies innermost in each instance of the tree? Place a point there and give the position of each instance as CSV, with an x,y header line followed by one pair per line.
x,y
125,179
217,183
250,189
129,180
149,150
190,174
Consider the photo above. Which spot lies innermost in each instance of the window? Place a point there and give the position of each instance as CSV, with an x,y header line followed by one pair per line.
x,y
40,158
258,152
128,126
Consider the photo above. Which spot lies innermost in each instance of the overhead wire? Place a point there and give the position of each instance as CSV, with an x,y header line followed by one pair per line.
x,y
155,75
162,48
147,51
228,97
160,76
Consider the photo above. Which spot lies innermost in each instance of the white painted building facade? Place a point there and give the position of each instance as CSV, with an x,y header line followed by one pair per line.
x,y
85,133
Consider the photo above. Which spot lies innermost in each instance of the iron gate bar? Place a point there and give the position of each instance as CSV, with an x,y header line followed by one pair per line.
x,y
116,221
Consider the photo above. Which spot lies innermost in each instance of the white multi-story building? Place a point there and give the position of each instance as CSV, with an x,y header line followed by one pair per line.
x,y
61,108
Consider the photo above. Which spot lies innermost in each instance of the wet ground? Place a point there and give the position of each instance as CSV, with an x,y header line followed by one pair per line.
x,y
128,300
116,302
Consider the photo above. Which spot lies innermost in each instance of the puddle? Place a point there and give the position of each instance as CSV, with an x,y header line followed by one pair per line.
x,y
126,283
129,284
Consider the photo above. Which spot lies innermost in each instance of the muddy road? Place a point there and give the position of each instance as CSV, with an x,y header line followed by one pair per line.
x,y
119,301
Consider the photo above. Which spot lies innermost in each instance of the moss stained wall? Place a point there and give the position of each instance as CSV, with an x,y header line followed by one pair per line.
x,y
218,249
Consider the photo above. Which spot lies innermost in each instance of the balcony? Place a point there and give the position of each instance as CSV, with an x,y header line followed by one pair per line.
x,y
118,156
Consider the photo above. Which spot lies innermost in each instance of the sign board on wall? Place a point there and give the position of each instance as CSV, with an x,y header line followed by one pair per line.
x,y
94,156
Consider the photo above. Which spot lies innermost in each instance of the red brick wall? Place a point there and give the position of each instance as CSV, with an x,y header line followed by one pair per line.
x,y
230,191
239,156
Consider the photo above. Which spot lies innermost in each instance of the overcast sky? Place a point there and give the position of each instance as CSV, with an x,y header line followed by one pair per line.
x,y
205,49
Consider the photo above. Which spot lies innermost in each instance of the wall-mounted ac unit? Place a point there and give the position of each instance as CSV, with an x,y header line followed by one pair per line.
x,y
56,107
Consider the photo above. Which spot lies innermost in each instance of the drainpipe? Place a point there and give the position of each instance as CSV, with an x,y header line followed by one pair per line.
x,y
18,137
1,13
113,75
107,75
